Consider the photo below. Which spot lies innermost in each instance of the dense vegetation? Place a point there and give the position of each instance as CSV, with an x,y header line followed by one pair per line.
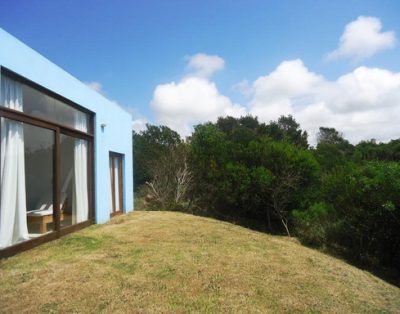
x,y
338,196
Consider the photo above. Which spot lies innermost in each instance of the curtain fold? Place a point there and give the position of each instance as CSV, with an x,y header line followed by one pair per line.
x,y
13,222
111,185
116,184
80,204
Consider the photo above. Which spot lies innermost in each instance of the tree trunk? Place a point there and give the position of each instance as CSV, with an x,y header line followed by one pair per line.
x,y
269,224
286,226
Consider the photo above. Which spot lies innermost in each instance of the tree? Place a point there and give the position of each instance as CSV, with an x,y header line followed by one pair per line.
x,y
148,147
293,171
285,129
171,179
357,213
208,155
332,150
240,172
292,131
371,150
329,136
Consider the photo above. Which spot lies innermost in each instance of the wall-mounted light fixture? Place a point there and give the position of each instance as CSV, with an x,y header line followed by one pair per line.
x,y
103,125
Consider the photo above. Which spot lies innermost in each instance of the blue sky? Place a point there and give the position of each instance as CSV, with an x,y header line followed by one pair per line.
x,y
139,51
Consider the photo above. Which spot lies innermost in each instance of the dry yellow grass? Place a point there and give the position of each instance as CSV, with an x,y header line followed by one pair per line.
x,y
165,262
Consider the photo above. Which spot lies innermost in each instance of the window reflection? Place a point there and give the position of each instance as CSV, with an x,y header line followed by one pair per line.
x,y
43,106
39,149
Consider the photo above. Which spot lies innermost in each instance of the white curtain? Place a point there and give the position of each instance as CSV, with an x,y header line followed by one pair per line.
x,y
80,204
116,184
111,183
13,224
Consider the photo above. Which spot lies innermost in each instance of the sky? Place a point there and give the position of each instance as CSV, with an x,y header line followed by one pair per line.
x,y
181,62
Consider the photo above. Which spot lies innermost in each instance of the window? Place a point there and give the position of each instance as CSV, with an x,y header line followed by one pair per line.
x,y
45,169
41,105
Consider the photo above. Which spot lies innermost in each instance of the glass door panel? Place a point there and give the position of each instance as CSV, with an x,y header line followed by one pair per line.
x,y
74,192
27,176
39,178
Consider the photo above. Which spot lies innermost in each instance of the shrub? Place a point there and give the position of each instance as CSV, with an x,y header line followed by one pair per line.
x,y
313,224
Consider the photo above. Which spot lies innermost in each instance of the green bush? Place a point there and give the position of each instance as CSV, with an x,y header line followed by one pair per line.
x,y
347,197
313,224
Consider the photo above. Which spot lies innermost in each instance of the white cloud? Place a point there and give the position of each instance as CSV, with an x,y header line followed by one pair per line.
x,y
190,101
194,99
139,124
279,92
363,104
362,90
243,87
204,65
362,39
96,86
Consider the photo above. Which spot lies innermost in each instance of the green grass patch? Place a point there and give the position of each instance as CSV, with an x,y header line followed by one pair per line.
x,y
77,242
127,268
165,272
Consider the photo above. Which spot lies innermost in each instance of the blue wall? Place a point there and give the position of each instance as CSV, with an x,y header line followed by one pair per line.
x,y
116,136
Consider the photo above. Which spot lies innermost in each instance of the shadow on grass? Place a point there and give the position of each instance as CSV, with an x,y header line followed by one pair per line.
x,y
389,275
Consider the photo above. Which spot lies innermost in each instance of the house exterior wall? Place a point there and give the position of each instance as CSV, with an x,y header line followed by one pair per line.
x,y
116,136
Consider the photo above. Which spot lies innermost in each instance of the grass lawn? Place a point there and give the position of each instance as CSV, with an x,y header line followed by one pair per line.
x,y
152,262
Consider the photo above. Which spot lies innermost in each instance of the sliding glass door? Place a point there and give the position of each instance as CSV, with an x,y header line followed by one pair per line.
x,y
46,165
